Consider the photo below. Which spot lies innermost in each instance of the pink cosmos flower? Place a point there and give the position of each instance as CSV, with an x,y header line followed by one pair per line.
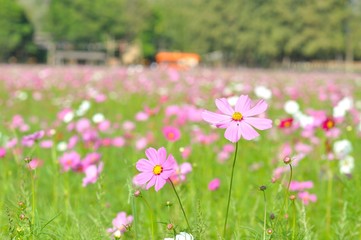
x,y
306,197
118,142
181,172
69,161
2,152
214,184
120,224
29,140
46,143
155,170
92,174
91,159
239,121
172,134
35,163
300,186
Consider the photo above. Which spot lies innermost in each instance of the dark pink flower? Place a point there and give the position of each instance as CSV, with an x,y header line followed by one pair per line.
x,y
172,134
2,152
239,122
70,160
214,184
155,170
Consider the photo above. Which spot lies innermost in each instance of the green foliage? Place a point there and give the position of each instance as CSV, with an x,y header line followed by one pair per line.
x,y
15,31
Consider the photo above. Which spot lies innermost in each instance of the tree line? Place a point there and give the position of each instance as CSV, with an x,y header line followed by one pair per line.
x,y
253,32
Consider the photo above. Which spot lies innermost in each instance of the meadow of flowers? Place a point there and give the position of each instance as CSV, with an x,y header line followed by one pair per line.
x,y
137,153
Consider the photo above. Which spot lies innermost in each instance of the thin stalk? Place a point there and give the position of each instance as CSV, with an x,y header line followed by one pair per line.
x,y
180,203
230,191
265,215
151,215
294,219
287,193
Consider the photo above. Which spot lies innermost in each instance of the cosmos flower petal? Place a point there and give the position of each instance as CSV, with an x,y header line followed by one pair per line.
x,y
160,182
248,132
233,132
166,173
259,108
185,168
151,182
224,107
243,104
214,118
162,155
170,162
224,124
144,165
152,155
259,123
143,177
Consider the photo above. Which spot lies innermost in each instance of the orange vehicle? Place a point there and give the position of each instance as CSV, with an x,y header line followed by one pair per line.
x,y
178,60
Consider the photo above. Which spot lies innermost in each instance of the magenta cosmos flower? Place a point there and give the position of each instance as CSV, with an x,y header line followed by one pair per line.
x,y
239,122
156,170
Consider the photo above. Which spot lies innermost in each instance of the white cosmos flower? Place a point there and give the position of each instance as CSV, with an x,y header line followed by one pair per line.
x,y
98,117
342,148
68,117
291,107
303,119
347,164
181,236
21,95
62,146
263,92
342,107
83,108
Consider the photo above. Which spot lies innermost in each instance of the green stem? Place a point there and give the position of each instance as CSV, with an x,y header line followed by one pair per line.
x,y
180,203
33,195
287,193
265,215
151,215
230,191
294,219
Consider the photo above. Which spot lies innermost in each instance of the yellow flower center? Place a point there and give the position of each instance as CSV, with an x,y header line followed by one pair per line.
x,y
287,124
158,169
237,116
329,124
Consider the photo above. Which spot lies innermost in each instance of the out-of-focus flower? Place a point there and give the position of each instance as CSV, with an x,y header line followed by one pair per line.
x,y
172,134
70,160
155,170
291,107
91,159
328,124
92,174
181,172
29,140
342,148
98,117
35,163
118,142
263,92
342,107
46,144
214,184
306,197
286,123
347,164
2,152
239,122
182,236
121,224
62,146
83,108
300,186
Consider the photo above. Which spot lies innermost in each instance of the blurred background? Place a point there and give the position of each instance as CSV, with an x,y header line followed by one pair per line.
x,y
273,33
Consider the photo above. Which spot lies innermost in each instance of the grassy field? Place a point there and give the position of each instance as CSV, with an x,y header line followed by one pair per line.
x,y
117,113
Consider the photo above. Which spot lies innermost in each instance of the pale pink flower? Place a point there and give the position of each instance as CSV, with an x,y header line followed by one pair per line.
x,y
35,163
181,172
118,142
300,186
214,184
70,160
172,134
239,122
46,144
120,224
141,116
155,170
92,174
306,197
